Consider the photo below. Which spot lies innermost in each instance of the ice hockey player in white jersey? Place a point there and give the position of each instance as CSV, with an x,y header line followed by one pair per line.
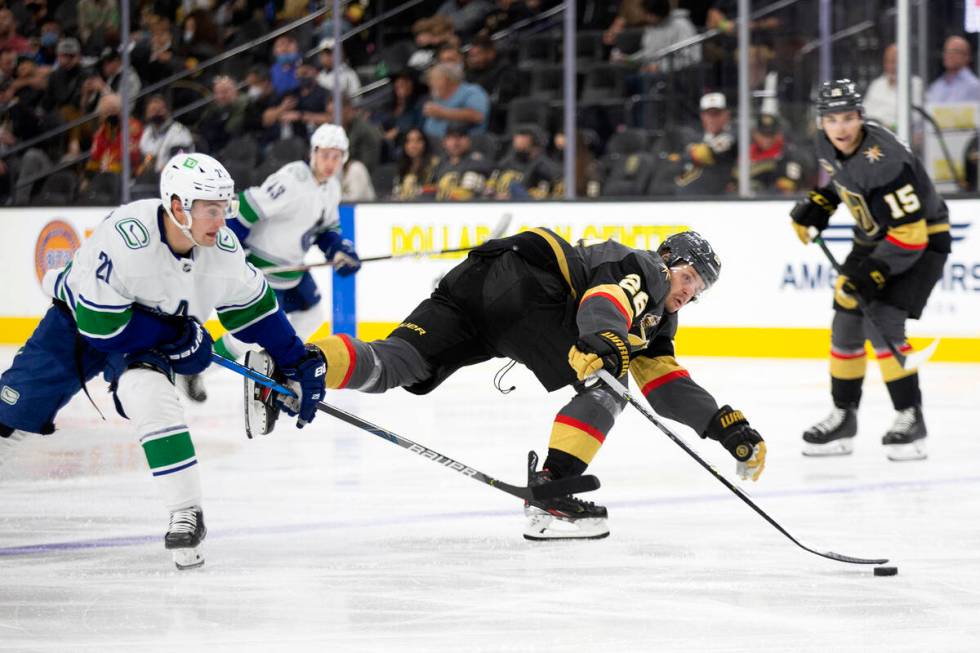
x,y
279,221
130,305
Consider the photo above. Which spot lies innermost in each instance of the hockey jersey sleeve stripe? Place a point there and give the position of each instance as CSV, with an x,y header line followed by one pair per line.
x,y
652,372
235,319
653,384
245,209
261,263
938,228
615,295
559,256
912,236
341,360
101,324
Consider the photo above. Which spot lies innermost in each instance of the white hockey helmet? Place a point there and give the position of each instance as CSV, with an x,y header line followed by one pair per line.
x,y
327,135
194,176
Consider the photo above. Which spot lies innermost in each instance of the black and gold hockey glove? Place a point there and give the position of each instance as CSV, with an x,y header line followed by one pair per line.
x,y
868,279
595,351
814,210
732,430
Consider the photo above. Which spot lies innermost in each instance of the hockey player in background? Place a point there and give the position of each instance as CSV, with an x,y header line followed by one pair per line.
x,y
130,304
564,312
901,242
278,222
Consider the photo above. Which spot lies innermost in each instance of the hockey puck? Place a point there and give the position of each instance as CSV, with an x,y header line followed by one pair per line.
x,y
886,571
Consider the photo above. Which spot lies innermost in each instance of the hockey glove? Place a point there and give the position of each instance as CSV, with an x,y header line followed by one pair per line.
x,y
732,430
596,351
308,376
842,295
868,280
190,353
340,252
812,211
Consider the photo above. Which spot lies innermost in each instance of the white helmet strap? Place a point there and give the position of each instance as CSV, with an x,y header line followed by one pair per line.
x,y
184,229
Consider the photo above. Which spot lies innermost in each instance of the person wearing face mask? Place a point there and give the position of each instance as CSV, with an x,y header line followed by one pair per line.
x,y
263,108
47,46
162,137
106,154
286,59
565,312
308,100
526,171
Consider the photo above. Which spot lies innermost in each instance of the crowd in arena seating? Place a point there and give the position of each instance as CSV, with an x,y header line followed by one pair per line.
x,y
452,100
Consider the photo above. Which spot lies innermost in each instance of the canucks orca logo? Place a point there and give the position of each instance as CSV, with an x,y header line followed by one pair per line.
x,y
226,241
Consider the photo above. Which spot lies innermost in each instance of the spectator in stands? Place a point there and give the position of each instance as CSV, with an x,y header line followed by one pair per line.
x,y
588,176
36,16
527,171
665,28
632,14
402,112
21,97
958,83
9,38
365,139
349,81
162,136
467,16
47,54
163,61
263,108
450,53
355,183
498,79
286,56
8,65
454,100
881,100
64,94
461,173
111,73
224,117
96,20
699,163
199,38
778,167
310,98
507,12
106,154
430,33
415,173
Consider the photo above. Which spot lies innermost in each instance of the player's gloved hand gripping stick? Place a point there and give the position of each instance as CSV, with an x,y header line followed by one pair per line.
x,y
624,394
557,488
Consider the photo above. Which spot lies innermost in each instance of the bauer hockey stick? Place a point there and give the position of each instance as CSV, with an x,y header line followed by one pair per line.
x,y
624,394
908,362
550,490
499,230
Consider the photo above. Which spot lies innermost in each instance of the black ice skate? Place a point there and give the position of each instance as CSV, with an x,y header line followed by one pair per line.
x,y
561,518
834,436
906,439
193,387
184,537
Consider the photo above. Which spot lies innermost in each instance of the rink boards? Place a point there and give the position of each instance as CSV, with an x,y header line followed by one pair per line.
x,y
773,299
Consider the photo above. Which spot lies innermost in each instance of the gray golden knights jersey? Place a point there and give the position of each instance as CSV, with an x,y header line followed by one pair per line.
x,y
126,263
893,202
286,214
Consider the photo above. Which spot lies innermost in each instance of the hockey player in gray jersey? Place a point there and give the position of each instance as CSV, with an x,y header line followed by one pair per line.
x,y
130,305
901,242
564,312
294,209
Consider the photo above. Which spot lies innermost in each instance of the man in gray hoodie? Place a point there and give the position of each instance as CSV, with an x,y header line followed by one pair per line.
x,y
665,28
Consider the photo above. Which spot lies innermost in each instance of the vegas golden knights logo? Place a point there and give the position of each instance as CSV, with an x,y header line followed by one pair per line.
x,y
859,209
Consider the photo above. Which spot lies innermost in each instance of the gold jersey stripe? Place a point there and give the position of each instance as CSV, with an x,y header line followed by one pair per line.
x,y
559,256
338,360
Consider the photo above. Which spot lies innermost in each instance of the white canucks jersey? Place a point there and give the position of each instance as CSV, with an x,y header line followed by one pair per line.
x,y
127,262
286,214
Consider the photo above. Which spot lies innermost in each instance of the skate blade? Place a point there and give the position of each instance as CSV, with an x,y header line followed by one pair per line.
x,y
840,447
186,559
541,528
906,452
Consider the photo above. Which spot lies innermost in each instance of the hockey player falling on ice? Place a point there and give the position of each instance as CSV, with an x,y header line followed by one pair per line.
x,y
130,304
901,241
564,312
278,222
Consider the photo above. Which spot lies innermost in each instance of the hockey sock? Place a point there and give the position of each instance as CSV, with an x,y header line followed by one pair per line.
x,y
578,431
230,347
902,384
847,368
150,401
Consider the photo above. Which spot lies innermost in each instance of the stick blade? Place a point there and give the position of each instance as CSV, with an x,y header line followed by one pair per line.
x,y
563,486
851,559
915,360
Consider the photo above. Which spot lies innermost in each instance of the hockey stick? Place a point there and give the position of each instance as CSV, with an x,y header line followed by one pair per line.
x,y
497,232
624,394
908,362
557,488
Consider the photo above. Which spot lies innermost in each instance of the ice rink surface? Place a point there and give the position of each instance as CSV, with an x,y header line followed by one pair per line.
x,y
331,539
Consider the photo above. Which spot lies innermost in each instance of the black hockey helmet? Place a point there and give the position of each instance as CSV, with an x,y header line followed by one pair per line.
x,y
837,96
691,247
